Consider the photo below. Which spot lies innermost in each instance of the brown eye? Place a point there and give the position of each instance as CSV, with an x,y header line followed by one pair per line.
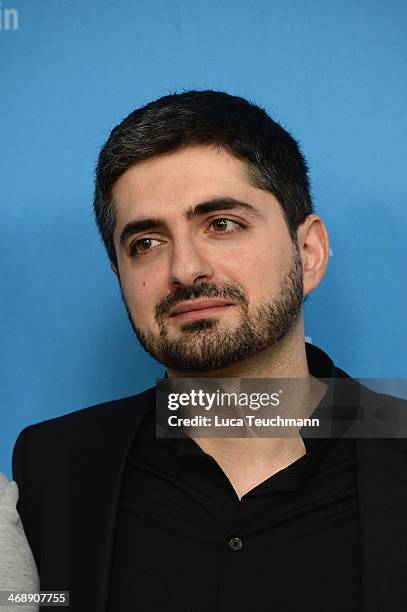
x,y
142,245
221,224
225,226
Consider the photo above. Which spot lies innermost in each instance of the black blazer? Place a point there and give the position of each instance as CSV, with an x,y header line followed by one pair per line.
x,y
69,472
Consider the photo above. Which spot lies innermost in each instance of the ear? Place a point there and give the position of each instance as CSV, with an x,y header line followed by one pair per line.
x,y
115,270
313,241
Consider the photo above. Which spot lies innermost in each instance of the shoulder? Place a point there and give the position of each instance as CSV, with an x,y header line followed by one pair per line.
x,y
92,416
17,566
8,505
46,447
388,410
3,485
8,495
381,418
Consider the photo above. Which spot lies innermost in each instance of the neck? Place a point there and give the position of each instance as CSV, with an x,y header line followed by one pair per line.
x,y
250,460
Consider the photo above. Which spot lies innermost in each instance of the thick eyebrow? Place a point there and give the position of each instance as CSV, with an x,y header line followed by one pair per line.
x,y
203,208
219,204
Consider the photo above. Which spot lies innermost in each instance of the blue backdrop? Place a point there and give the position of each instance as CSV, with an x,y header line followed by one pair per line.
x,y
334,73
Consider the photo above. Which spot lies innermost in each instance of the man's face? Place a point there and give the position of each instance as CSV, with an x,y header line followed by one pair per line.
x,y
192,232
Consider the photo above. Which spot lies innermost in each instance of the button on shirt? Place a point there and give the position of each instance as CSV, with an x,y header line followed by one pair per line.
x,y
185,542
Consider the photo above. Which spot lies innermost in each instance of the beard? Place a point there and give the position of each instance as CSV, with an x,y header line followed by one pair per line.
x,y
202,345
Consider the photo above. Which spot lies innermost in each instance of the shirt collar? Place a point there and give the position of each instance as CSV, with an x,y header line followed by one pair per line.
x,y
335,398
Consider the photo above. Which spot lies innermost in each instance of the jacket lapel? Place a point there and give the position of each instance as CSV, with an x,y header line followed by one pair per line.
x,y
382,479
95,479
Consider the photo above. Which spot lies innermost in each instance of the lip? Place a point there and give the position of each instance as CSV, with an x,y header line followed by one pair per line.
x,y
199,308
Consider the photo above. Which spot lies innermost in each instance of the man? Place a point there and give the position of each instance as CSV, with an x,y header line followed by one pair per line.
x,y
203,204
17,567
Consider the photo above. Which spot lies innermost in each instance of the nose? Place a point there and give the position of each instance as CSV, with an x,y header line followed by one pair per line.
x,y
189,265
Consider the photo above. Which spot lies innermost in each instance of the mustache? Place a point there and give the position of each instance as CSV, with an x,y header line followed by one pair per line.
x,y
208,290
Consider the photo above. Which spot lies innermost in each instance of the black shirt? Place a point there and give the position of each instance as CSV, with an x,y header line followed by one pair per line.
x,y
186,543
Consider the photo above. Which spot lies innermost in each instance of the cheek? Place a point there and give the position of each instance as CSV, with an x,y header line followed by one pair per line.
x,y
257,273
140,297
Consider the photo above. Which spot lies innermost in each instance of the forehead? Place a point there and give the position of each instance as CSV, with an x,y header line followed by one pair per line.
x,y
178,172
168,184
